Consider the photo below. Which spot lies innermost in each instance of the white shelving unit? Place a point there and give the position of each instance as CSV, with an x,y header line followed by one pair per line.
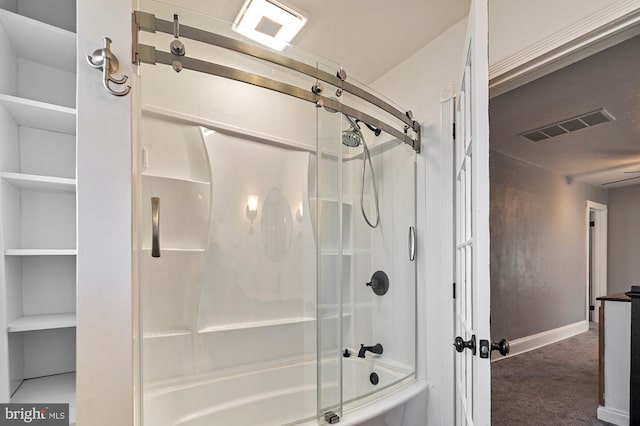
x,y
38,193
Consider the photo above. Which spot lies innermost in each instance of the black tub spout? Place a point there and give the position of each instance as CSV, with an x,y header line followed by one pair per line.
x,y
376,349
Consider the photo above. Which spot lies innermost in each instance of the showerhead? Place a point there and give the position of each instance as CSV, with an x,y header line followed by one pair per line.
x,y
351,138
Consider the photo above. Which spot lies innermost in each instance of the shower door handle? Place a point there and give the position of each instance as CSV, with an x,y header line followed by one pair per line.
x,y
412,243
155,227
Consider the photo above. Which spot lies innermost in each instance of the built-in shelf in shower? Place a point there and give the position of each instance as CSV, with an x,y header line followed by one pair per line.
x,y
40,115
226,128
42,322
56,389
161,334
345,252
178,178
255,324
176,250
268,323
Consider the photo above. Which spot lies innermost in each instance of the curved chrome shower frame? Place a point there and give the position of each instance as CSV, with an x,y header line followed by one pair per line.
x,y
143,21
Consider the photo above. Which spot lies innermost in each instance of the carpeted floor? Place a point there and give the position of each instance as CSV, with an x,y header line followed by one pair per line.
x,y
553,385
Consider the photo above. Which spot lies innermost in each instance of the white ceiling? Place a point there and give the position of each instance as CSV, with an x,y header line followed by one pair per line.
x,y
596,155
367,37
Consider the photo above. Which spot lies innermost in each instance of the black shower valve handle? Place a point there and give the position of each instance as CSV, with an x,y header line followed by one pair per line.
x,y
379,283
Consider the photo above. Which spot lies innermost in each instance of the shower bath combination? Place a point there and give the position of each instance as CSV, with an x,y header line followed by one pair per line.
x,y
261,237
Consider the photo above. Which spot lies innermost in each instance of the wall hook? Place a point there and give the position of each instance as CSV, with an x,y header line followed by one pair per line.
x,y
106,61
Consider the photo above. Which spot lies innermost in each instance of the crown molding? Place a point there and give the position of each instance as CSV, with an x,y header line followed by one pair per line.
x,y
612,25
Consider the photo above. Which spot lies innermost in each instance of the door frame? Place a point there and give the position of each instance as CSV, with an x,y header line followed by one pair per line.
x,y
599,273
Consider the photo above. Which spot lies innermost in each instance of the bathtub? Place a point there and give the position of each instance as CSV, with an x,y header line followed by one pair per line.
x,y
281,396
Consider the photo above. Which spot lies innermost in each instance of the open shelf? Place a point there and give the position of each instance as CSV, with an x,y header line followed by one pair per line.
x,y
42,322
39,42
58,389
40,183
37,103
40,252
40,115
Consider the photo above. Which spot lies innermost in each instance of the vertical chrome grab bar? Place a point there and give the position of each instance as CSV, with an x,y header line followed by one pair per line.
x,y
155,227
412,243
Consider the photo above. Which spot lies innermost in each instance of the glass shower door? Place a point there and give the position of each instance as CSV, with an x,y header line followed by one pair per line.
x,y
380,309
228,302
331,232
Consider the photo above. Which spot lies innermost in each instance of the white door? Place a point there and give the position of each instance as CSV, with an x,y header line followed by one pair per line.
x,y
472,359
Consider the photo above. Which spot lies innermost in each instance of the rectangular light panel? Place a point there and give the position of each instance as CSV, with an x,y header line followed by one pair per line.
x,y
269,22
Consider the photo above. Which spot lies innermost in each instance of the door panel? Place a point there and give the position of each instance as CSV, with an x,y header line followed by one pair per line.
x,y
473,374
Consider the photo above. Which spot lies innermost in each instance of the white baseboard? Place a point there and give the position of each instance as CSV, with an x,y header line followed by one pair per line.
x,y
613,416
529,343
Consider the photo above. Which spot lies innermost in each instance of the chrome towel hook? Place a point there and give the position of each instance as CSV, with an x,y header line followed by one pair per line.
x,y
106,61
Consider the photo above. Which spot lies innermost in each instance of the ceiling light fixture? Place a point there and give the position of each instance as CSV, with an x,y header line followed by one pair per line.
x,y
269,22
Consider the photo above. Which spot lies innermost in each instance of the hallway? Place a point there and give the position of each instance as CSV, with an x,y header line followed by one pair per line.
x,y
553,385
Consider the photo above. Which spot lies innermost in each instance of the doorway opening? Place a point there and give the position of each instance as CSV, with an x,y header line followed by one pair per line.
x,y
551,176
596,257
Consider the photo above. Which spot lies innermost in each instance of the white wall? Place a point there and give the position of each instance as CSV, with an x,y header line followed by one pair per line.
x,y
624,248
104,332
420,83
536,257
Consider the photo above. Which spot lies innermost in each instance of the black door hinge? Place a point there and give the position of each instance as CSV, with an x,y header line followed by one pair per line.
x,y
454,290
592,308
592,224
454,131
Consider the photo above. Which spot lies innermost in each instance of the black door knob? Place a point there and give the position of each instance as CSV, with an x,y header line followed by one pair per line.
x,y
460,344
502,347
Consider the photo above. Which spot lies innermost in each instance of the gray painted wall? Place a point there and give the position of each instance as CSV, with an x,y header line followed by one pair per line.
x,y
623,247
538,248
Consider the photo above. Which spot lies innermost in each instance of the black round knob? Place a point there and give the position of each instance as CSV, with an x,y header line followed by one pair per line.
x,y
502,347
460,344
379,283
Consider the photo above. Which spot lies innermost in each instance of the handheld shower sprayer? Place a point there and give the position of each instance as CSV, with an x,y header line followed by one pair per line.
x,y
353,138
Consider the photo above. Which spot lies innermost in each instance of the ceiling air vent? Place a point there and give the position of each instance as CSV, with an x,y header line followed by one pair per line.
x,y
583,121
